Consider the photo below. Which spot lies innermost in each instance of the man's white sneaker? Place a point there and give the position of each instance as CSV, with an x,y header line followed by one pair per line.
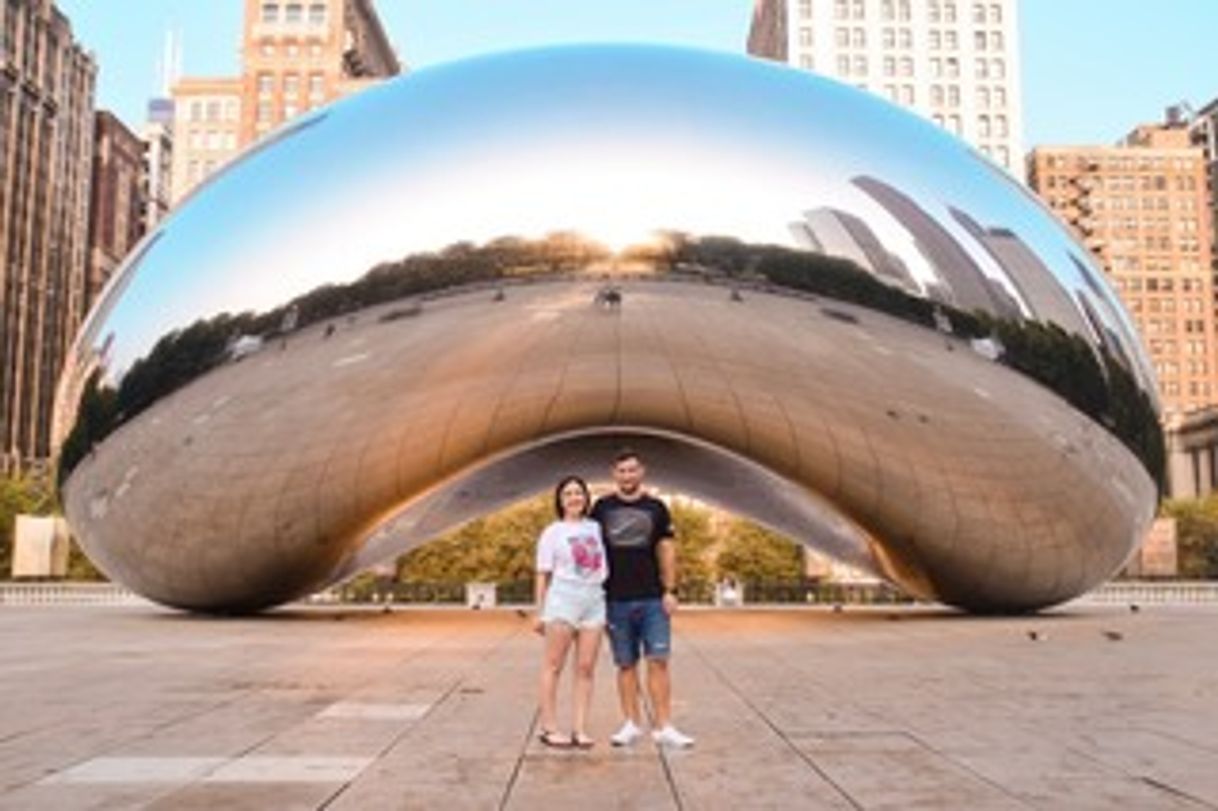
x,y
669,736
628,734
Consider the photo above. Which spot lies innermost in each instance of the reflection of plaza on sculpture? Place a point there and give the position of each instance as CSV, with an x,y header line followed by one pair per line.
x,y
902,361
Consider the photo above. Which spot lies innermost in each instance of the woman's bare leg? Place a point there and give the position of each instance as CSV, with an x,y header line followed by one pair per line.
x,y
557,643
587,646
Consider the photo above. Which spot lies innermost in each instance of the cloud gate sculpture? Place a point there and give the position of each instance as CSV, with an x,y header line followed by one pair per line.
x,y
432,299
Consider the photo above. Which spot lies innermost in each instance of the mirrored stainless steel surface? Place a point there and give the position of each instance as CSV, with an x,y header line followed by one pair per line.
x,y
436,297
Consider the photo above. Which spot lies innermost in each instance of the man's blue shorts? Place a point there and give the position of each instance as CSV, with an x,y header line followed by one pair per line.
x,y
635,625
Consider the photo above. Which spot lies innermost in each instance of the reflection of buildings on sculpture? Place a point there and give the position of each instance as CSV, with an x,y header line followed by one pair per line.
x,y
1044,296
833,232
967,285
295,56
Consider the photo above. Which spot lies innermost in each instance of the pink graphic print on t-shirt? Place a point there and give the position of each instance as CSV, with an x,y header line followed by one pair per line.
x,y
586,553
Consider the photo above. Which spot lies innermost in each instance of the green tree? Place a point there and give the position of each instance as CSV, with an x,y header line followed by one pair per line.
x,y
695,543
1197,536
20,495
752,553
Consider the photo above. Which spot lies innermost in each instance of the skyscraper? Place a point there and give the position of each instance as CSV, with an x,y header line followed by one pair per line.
x,y
1142,208
953,61
295,56
46,148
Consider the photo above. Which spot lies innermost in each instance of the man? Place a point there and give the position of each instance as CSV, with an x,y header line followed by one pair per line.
x,y
641,596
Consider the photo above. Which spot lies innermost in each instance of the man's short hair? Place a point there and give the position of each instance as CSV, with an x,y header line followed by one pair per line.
x,y
625,455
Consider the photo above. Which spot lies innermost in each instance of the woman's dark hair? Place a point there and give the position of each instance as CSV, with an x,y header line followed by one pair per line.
x,y
583,485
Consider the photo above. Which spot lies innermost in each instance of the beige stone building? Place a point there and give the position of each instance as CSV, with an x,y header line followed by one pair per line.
x,y
46,148
295,56
1142,208
955,62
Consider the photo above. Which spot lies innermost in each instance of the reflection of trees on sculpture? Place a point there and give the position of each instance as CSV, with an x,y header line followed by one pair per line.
x,y
1088,378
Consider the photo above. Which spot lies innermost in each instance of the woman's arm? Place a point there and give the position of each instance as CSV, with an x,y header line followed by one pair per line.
x,y
541,582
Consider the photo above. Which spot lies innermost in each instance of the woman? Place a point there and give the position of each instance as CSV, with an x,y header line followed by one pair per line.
x,y
571,567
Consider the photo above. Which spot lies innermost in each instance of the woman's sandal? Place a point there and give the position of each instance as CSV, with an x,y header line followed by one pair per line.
x,y
554,740
582,741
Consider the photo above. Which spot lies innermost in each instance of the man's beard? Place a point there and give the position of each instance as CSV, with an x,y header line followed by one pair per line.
x,y
628,489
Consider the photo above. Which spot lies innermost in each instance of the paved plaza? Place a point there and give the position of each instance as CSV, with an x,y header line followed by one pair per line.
x,y
137,707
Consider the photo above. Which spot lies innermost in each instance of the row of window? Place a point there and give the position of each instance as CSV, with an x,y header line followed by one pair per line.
x,y
291,49
857,65
1168,346
903,38
946,12
292,85
213,140
294,13
1120,163
212,110
1170,368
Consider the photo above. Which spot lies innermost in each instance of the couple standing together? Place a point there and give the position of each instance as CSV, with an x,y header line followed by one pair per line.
x,y
609,566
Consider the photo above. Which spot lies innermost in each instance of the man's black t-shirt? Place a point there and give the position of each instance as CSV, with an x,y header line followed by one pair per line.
x,y
632,530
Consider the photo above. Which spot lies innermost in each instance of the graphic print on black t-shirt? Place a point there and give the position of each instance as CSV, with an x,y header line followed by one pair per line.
x,y
628,527
631,531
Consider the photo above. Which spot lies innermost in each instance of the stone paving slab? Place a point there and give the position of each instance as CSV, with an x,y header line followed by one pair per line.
x,y
136,707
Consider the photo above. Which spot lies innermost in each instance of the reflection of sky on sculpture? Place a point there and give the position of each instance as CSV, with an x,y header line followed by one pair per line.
x,y
613,142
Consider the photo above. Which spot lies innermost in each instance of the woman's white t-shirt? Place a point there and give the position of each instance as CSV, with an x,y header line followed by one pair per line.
x,y
573,551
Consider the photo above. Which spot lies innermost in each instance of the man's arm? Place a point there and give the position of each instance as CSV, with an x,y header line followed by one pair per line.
x,y
666,555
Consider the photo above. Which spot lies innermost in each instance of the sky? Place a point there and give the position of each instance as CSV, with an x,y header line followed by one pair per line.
x,y
1092,69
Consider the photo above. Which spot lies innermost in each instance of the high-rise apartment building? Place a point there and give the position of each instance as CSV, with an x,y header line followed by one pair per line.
x,y
46,148
1142,208
117,209
295,56
1203,124
955,62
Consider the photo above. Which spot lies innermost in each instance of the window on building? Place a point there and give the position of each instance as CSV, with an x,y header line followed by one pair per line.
x,y
317,14
290,111
935,39
860,65
805,9
293,13
906,66
890,66
936,96
213,111
1000,97
953,95
292,49
982,69
906,38
889,38
843,65
859,38
933,14
264,111
951,40
983,126
232,110
841,9
983,98
996,14
953,68
907,94
978,13
266,84
270,12
949,12
953,123
890,90
938,119
316,85
1000,123
1004,156
903,10
806,62
805,37
291,85
998,69
888,9
996,43
857,9
841,37
936,67
979,40
267,48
